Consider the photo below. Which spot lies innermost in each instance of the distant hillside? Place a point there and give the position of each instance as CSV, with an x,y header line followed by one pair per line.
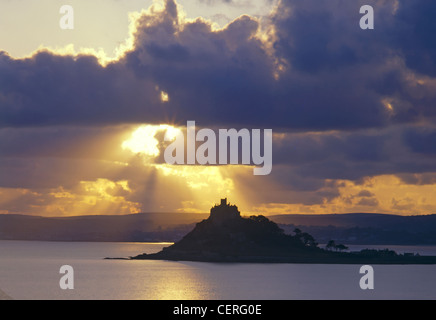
x,y
134,227
364,228
356,219
355,228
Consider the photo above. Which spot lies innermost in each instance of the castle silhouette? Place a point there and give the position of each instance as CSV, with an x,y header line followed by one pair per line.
x,y
227,237
224,212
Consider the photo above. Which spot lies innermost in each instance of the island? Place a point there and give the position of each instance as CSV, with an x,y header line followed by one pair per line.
x,y
226,236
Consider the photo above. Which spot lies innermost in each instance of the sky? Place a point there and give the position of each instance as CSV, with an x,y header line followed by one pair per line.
x,y
83,112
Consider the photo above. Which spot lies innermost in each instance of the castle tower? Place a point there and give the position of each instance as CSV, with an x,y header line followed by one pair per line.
x,y
224,212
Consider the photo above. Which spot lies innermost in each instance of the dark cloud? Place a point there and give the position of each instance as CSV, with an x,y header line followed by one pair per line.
x,y
370,202
101,143
313,157
428,178
421,140
416,25
34,173
365,194
48,89
336,75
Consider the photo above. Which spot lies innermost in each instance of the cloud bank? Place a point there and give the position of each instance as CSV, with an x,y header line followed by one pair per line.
x,y
317,70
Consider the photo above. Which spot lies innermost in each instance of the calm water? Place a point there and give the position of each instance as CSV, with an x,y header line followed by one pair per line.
x,y
30,270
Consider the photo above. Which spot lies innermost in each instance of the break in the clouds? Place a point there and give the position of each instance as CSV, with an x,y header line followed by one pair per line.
x,y
352,111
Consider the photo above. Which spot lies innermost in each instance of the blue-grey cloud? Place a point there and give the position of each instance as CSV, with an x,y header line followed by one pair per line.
x,y
337,76
421,140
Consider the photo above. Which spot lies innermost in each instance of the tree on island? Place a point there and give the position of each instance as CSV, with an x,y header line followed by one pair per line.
x,y
341,247
338,247
297,232
305,238
330,245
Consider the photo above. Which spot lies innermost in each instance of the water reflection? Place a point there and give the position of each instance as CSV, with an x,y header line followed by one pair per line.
x,y
30,270
169,281
182,284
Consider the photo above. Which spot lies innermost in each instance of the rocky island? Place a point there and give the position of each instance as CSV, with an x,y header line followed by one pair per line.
x,y
227,237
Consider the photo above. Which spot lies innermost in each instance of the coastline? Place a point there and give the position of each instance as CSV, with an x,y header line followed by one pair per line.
x,y
323,258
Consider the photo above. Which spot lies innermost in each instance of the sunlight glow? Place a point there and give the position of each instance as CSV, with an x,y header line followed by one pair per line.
x,y
199,177
143,139
164,97
387,103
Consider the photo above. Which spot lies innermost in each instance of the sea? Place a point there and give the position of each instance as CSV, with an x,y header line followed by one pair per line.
x,y
31,270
